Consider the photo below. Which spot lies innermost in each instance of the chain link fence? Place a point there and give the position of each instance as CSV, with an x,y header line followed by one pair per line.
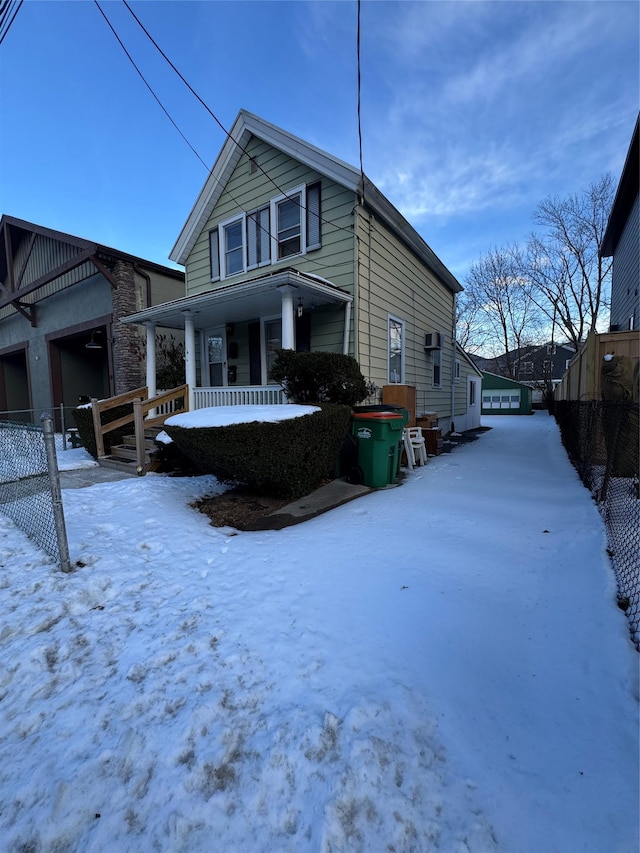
x,y
603,443
30,486
63,421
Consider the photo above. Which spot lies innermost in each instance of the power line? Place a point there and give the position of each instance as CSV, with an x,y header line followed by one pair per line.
x,y
322,266
359,88
147,84
5,15
214,116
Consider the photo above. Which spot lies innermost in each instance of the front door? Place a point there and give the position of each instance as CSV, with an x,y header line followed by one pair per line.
x,y
216,357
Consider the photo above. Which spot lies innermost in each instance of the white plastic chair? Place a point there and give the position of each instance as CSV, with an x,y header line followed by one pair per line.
x,y
415,446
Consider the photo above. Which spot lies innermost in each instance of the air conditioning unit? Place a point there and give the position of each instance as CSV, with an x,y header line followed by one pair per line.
x,y
432,340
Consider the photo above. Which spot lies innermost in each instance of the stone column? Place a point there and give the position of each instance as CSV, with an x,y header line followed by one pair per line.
x,y
128,368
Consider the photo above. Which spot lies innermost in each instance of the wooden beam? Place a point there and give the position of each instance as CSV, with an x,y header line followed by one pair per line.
x,y
32,240
106,272
27,311
48,277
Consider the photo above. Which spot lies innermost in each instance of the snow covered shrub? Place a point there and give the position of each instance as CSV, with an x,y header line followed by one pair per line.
x,y
319,377
287,459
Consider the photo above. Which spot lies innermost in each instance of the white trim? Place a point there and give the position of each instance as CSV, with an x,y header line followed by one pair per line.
x,y
392,318
263,345
222,226
247,125
273,212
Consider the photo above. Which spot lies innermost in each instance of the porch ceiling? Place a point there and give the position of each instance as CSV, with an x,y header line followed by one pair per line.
x,y
246,300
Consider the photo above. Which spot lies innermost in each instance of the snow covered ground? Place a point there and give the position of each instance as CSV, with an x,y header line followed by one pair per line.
x,y
439,666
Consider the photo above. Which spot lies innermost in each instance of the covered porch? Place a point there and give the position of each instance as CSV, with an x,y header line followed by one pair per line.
x,y
231,334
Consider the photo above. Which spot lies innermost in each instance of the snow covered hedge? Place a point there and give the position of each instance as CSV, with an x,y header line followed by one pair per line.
x,y
287,459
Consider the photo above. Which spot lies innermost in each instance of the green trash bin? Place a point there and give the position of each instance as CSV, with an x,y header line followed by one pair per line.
x,y
378,436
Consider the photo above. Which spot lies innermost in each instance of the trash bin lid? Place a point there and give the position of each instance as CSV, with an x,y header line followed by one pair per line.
x,y
378,416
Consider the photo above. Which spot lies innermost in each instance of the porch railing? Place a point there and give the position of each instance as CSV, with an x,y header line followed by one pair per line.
x,y
243,395
165,403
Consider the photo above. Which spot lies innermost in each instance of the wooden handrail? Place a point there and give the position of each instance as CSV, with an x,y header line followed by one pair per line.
x,y
142,405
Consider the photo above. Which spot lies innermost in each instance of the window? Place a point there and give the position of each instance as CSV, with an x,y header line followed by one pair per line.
x,y
258,238
546,368
289,225
551,349
286,215
272,342
527,367
232,247
214,253
456,370
436,359
472,393
396,350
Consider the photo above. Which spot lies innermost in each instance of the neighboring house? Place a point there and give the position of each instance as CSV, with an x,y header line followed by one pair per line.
x,y
289,247
467,392
504,396
622,242
582,381
61,300
540,367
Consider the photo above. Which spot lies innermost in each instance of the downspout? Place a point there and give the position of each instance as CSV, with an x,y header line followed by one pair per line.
x,y
453,365
347,327
147,279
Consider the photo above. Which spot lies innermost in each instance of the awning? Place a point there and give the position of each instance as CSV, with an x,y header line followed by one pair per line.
x,y
246,300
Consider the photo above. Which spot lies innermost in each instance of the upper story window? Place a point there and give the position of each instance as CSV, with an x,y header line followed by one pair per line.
x,y
289,225
526,367
232,242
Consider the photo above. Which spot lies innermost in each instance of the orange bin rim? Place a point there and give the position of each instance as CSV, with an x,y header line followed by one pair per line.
x,y
377,416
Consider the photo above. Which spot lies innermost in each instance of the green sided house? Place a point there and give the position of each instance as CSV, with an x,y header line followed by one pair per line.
x,y
503,396
289,247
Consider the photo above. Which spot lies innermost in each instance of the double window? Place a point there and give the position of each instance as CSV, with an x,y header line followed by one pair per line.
x,y
289,225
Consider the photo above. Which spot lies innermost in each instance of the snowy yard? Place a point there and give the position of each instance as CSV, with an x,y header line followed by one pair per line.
x,y
440,666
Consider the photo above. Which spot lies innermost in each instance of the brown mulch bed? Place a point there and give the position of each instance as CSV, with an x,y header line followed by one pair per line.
x,y
238,508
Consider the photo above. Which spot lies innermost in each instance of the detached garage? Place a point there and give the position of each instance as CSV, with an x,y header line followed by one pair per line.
x,y
502,396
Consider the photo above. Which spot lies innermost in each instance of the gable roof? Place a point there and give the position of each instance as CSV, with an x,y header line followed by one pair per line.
x,y
626,195
247,125
25,273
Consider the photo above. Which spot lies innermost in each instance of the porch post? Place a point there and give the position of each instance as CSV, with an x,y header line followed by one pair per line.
x,y
288,324
190,356
151,358
347,328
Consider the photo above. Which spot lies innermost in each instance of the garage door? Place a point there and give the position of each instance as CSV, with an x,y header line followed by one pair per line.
x,y
501,399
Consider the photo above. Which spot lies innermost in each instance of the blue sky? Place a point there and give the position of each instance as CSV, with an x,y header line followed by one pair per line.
x,y
472,112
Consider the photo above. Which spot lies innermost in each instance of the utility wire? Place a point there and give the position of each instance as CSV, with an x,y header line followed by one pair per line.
x,y
216,119
324,266
359,88
5,13
142,77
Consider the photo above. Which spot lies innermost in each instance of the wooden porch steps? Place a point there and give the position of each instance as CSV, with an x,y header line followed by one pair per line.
x,y
124,457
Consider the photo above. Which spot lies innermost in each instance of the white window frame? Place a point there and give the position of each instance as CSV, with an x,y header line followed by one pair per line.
x,y
265,236
288,196
391,318
263,344
436,361
222,226
456,370
214,254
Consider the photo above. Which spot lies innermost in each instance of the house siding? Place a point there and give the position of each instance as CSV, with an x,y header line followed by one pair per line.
x,y
626,273
391,280
46,254
247,190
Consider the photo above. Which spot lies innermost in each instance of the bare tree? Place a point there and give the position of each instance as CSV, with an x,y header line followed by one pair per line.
x,y
507,317
564,264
